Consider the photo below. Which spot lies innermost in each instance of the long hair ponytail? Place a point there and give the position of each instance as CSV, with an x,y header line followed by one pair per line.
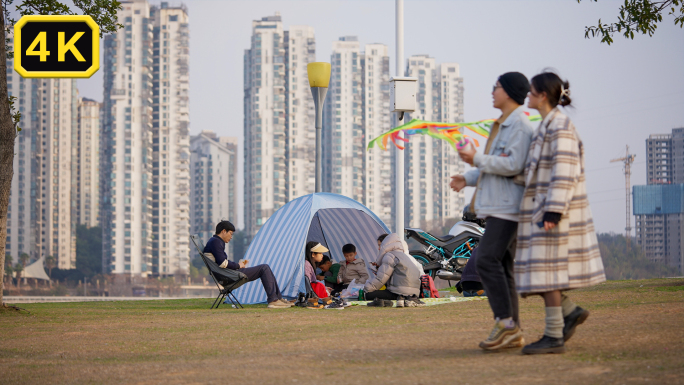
x,y
308,255
557,90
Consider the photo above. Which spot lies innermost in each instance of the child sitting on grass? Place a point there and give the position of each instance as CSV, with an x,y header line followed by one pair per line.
x,y
352,268
338,276
328,271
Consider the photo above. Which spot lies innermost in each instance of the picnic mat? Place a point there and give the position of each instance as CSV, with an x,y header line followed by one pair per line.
x,y
430,301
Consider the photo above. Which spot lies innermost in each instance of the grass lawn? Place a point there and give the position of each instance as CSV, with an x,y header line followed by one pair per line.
x,y
635,334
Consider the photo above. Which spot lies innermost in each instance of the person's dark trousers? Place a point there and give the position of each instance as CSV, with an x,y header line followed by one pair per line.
x,y
382,294
495,255
267,280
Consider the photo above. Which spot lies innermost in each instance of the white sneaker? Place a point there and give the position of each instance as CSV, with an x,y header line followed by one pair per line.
x,y
400,301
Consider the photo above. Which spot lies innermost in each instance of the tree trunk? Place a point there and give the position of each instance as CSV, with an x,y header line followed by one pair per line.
x,y
7,134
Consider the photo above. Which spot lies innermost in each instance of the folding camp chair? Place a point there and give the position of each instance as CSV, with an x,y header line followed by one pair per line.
x,y
226,280
309,290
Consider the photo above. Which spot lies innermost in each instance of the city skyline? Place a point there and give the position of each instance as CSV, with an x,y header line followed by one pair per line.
x,y
278,115
621,95
69,176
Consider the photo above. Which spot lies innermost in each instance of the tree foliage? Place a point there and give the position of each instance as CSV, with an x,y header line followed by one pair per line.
x,y
623,262
50,263
640,16
23,259
89,250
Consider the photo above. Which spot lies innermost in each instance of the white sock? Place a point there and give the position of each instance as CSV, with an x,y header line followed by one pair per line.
x,y
567,305
508,323
554,322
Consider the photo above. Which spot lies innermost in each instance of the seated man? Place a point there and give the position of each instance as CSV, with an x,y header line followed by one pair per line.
x,y
215,249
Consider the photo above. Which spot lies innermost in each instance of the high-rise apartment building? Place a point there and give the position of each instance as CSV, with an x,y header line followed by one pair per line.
x,y
422,153
678,155
23,212
88,165
659,159
377,164
145,143
451,203
278,119
213,190
430,163
343,140
659,210
665,160
126,167
170,140
356,111
58,170
300,49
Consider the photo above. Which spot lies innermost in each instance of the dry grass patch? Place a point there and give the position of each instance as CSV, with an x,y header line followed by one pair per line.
x,y
634,335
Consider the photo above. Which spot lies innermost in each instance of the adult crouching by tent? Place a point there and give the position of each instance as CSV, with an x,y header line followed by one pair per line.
x,y
397,272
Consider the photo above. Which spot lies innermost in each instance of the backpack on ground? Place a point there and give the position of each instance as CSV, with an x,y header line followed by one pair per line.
x,y
427,287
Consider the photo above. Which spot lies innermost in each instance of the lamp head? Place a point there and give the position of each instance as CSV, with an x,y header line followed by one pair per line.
x,y
319,74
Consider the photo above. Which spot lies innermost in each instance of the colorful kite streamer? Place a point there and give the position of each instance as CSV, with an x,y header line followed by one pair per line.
x,y
451,132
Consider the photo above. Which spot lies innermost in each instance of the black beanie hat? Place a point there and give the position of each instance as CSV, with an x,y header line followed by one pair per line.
x,y
516,86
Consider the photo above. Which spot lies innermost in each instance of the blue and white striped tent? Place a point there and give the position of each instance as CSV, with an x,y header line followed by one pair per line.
x,y
331,219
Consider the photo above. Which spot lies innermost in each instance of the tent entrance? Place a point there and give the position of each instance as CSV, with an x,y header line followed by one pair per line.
x,y
335,227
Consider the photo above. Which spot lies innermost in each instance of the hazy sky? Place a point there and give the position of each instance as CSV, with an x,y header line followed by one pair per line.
x,y
621,92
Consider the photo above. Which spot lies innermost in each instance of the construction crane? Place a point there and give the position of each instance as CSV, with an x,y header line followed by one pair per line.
x,y
627,160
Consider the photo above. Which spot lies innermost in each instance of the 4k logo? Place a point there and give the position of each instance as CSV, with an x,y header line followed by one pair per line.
x,y
56,46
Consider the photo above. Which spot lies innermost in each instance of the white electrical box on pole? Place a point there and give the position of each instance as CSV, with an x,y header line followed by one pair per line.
x,y
402,94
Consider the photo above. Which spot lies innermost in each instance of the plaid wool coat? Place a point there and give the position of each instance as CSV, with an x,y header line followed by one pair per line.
x,y
566,257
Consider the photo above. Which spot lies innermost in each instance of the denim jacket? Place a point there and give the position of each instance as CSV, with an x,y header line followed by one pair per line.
x,y
496,191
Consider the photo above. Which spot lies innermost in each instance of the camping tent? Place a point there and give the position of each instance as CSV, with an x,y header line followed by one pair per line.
x,y
331,219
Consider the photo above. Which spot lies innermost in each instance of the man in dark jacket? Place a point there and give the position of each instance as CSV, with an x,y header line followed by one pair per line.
x,y
215,249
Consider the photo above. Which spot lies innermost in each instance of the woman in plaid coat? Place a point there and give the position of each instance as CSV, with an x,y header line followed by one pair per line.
x,y
557,246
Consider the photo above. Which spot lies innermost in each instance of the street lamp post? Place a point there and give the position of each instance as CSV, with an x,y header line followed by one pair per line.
x,y
319,78
399,155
